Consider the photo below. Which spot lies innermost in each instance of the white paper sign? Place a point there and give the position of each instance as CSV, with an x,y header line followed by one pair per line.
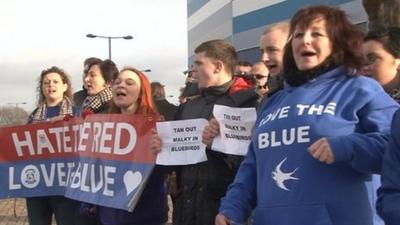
x,y
181,142
235,126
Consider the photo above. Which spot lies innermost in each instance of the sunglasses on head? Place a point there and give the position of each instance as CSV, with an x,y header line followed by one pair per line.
x,y
259,76
241,74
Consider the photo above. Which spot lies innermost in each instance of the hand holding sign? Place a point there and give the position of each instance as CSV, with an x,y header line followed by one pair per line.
x,y
235,127
210,132
223,220
155,142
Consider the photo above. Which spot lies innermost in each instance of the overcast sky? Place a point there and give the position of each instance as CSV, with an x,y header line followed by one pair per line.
x,y
38,34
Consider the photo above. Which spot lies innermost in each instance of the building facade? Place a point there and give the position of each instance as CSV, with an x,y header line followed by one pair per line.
x,y
243,21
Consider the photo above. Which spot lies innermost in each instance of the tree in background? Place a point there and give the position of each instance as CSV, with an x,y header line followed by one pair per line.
x,y
12,116
382,13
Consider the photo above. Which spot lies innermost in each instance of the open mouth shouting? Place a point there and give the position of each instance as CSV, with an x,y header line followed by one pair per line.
x,y
274,68
271,66
120,93
308,54
307,59
51,91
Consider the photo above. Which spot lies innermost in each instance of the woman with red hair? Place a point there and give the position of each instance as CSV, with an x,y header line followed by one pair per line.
x,y
131,92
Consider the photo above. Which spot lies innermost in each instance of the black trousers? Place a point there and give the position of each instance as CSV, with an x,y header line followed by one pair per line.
x,y
65,210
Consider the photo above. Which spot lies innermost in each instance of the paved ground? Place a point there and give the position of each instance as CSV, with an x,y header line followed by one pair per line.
x,y
7,216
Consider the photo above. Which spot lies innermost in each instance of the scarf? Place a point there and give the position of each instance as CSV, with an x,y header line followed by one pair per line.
x,y
295,77
41,113
93,103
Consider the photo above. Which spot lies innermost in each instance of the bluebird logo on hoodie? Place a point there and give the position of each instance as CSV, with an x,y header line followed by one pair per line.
x,y
280,177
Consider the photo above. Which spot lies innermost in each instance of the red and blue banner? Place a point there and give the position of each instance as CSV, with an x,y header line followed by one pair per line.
x,y
102,159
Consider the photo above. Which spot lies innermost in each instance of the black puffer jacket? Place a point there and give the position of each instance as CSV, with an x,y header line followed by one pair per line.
x,y
79,97
166,109
204,184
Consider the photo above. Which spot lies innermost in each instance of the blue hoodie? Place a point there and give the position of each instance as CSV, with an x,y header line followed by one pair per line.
x,y
287,184
389,193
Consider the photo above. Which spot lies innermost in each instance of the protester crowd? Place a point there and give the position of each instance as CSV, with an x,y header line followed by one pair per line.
x,y
325,89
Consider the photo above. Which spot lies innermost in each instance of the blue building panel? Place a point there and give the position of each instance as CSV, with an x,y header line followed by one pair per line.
x,y
278,12
215,20
246,29
194,5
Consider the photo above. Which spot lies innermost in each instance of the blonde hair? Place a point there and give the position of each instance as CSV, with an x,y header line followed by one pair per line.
x,y
282,26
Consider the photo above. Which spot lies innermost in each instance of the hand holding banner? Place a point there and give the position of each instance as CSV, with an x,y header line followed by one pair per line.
x,y
235,125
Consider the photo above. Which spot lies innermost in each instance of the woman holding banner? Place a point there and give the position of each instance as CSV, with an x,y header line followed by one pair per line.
x,y
54,103
132,96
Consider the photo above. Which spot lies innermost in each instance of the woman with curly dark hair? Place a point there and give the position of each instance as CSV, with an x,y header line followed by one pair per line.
x,y
54,94
54,103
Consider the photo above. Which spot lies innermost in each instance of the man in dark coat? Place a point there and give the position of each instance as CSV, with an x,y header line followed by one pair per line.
x,y
205,183
165,108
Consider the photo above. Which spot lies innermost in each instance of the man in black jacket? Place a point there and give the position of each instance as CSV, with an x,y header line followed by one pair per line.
x,y
165,108
205,183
